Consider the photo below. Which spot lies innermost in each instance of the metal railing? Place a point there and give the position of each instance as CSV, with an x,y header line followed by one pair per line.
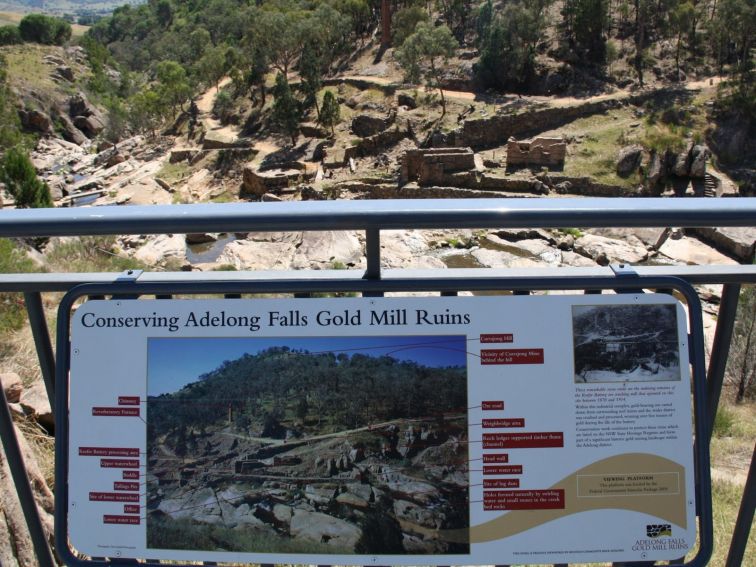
x,y
373,217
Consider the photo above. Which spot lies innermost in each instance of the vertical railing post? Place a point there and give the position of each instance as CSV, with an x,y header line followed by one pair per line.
x,y
373,253
21,481
728,307
38,324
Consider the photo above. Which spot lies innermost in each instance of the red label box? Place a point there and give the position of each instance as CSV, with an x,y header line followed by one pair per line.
x,y
119,463
130,475
497,338
127,486
496,458
492,405
128,520
113,497
128,400
115,412
108,452
501,483
511,356
504,422
533,440
131,509
503,469
552,499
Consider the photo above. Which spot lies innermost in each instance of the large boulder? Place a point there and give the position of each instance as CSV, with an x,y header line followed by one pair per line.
x,y
628,159
255,255
69,131
79,105
322,528
698,156
655,172
90,125
609,251
35,120
321,249
364,125
681,162
35,403
12,386
162,247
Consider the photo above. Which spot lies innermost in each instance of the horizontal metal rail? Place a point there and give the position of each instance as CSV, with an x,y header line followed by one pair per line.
x,y
421,278
381,214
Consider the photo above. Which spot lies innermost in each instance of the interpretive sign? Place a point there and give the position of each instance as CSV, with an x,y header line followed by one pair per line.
x,y
445,430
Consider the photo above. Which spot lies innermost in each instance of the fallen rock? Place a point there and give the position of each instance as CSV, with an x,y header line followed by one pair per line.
x,y
628,159
270,198
35,402
322,528
12,386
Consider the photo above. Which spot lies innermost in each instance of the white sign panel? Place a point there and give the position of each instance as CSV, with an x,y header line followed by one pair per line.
x,y
473,430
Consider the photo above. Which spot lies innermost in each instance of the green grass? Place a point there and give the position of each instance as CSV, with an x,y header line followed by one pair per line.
x,y
90,254
174,172
13,261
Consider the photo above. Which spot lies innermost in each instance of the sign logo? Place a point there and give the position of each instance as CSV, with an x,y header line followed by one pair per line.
x,y
658,530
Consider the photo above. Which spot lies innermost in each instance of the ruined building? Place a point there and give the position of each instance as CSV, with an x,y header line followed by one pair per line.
x,y
548,152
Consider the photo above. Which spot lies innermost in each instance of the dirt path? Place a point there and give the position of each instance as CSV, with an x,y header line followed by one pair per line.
x,y
554,101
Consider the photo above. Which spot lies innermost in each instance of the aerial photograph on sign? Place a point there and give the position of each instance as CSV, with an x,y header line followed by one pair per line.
x,y
625,343
332,445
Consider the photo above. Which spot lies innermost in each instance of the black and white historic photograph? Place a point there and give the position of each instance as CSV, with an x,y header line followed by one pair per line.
x,y
625,343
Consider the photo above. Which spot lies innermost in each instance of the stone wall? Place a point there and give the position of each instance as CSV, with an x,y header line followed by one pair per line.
x,y
431,166
495,131
548,152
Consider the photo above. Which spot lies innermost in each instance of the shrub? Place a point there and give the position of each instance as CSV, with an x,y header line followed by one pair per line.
x,y
48,30
9,35
20,178
724,422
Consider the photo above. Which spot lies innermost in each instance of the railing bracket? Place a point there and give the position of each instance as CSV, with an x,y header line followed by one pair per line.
x,y
129,276
623,270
